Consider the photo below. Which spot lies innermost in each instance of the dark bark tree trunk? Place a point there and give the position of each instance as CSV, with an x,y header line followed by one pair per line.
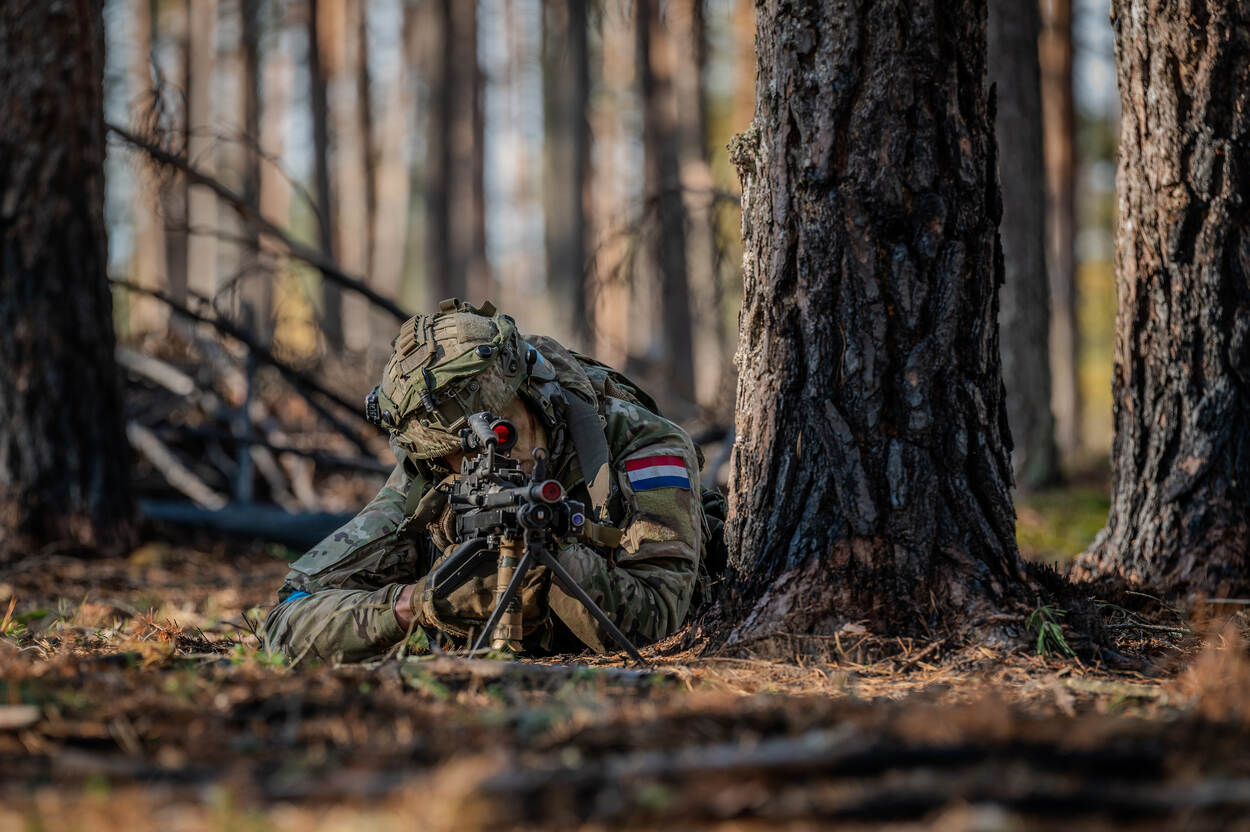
x,y
672,349
566,96
1059,137
64,467
331,295
1024,302
1180,512
455,249
870,478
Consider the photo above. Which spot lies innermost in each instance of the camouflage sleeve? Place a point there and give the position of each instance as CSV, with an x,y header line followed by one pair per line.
x,y
336,602
335,625
646,586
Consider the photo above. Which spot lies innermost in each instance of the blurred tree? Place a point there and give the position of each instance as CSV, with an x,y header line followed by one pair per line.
x,y
1024,300
331,295
170,27
1059,139
1180,511
455,249
870,478
664,314
64,467
351,137
202,145
688,27
613,105
257,285
147,265
566,98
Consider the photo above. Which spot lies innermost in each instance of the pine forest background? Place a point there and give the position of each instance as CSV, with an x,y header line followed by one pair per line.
x,y
568,160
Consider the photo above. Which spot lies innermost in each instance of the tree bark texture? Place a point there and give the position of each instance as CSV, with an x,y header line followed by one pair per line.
x,y
1180,512
669,355
566,97
1024,302
870,476
64,470
1059,140
455,249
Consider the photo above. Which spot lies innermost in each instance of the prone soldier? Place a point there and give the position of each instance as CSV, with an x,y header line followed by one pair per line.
x,y
364,588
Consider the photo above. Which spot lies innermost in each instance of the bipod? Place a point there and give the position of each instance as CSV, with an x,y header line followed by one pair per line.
x,y
537,554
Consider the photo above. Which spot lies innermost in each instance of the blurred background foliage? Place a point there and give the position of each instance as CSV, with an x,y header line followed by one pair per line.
x,y
362,127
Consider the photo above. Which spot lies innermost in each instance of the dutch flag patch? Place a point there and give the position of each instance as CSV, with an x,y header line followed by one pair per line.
x,y
657,472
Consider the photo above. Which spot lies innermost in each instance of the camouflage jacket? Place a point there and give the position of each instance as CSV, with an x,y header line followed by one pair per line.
x,y
337,603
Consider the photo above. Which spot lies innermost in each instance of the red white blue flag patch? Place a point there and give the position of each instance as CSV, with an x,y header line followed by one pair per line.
x,y
657,472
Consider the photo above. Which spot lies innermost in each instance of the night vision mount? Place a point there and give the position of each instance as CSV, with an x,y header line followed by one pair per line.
x,y
518,520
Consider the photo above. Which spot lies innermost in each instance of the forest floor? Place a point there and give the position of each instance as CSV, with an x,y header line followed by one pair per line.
x,y
134,695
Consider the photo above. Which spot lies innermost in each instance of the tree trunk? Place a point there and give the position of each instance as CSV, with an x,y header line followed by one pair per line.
x,y
64,469
609,287
1024,302
1059,138
331,295
257,285
669,355
147,266
393,173
710,336
456,264
340,34
871,479
202,145
275,190
172,26
1180,511
566,77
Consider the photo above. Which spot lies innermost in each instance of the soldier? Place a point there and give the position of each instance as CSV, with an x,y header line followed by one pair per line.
x,y
361,591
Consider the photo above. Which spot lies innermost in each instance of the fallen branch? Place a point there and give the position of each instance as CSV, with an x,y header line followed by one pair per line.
x,y
175,473
156,371
328,268
358,463
302,382
250,521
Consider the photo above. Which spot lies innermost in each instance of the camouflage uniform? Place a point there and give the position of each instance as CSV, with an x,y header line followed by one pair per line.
x,y
337,603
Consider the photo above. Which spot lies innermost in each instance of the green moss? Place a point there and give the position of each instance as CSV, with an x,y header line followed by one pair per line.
x,y
1058,525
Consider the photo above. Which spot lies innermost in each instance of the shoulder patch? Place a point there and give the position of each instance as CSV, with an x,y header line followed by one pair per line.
x,y
650,472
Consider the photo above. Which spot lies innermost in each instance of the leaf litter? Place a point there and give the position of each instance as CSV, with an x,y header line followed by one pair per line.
x,y
134,694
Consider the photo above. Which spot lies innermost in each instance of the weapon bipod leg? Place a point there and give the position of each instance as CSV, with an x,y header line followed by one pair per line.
x,y
537,554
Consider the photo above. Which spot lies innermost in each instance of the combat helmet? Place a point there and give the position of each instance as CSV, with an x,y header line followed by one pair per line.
x,y
445,367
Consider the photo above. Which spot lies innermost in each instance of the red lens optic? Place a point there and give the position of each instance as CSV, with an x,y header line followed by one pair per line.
x,y
551,491
503,433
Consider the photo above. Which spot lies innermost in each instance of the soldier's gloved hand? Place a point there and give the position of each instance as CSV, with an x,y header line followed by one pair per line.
x,y
467,607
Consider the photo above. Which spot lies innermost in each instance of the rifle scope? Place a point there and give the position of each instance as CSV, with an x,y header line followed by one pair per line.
x,y
484,431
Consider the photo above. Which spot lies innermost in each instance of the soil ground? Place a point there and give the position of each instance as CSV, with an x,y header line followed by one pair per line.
x,y
134,695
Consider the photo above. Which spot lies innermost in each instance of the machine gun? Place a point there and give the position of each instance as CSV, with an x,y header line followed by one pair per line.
x,y
517,519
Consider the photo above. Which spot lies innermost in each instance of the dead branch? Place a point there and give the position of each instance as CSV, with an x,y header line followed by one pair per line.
x,y
328,268
302,382
176,474
251,521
